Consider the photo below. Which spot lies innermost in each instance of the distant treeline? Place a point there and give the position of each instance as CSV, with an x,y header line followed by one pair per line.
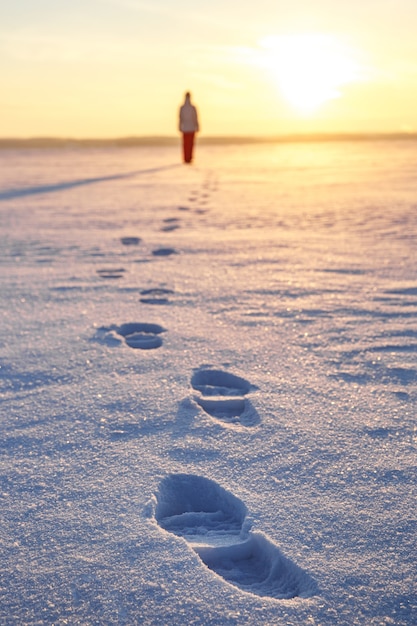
x,y
127,142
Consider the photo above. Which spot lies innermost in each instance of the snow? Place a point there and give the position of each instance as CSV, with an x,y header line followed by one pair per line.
x,y
208,385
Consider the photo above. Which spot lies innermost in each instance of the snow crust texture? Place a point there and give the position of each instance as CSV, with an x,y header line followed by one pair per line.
x,y
208,385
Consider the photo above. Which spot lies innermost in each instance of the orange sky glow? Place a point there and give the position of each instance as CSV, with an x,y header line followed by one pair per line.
x,y
112,68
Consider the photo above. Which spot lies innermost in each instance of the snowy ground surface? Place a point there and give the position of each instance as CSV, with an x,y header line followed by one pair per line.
x,y
208,385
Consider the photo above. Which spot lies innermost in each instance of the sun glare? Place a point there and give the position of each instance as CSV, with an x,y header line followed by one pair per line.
x,y
310,69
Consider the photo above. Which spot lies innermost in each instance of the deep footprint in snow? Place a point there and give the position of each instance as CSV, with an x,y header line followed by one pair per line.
x,y
222,397
212,382
130,241
258,566
164,252
141,335
113,273
156,295
229,410
213,521
169,228
199,509
170,224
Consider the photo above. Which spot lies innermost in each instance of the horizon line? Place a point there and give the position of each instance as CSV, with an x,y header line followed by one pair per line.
x,y
165,140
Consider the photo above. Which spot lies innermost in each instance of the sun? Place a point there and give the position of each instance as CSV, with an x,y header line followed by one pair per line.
x,y
309,69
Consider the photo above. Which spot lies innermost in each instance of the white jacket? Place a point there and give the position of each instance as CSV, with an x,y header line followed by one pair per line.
x,y
188,117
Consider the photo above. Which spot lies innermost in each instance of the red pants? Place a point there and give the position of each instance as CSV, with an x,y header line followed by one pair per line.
x,y
187,146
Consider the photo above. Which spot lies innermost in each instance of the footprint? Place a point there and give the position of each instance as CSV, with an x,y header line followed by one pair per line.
x,y
213,521
169,228
218,383
226,410
156,291
221,396
111,273
258,566
199,509
171,223
141,335
164,251
130,241
155,296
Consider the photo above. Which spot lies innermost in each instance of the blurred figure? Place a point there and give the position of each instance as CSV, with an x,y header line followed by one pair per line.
x,y
188,126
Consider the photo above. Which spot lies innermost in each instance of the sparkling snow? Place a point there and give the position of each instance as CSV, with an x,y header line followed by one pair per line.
x,y
208,385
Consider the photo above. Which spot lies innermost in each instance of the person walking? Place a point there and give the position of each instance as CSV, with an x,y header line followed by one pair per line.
x,y
188,125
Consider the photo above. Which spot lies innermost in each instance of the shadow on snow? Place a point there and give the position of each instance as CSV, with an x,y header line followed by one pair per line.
x,y
10,194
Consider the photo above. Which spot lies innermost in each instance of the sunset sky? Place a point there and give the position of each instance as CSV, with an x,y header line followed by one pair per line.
x,y
112,68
